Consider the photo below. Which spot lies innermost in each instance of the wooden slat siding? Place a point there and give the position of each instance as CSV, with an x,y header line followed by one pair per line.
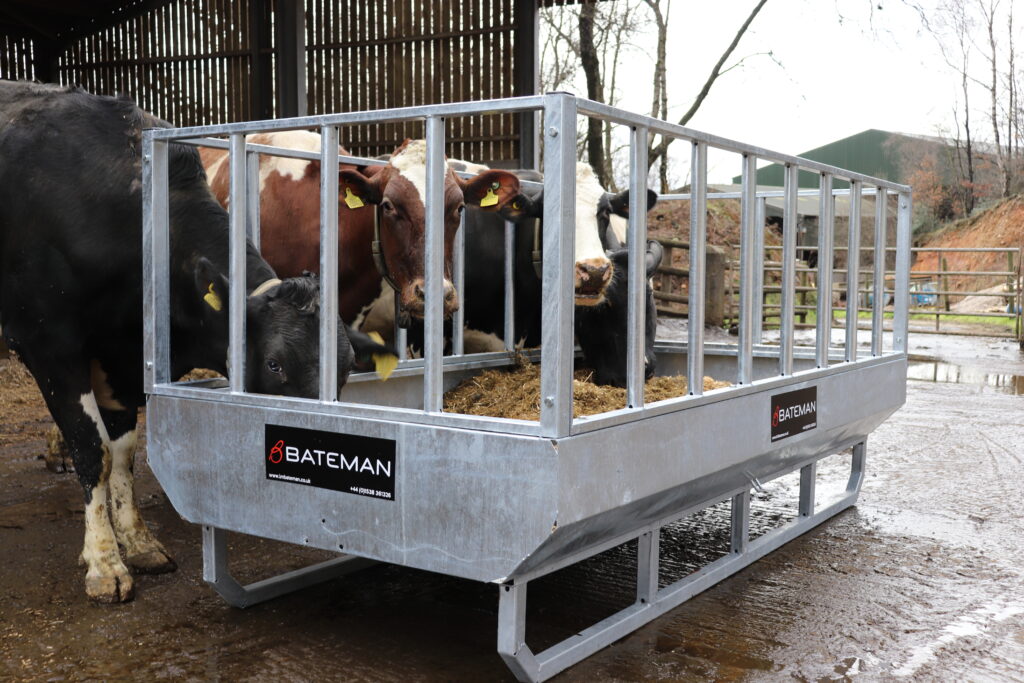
x,y
16,58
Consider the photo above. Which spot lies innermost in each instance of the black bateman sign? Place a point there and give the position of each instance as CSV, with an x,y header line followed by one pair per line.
x,y
362,465
794,412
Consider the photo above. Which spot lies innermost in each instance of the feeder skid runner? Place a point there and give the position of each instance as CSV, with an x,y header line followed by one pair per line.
x,y
383,474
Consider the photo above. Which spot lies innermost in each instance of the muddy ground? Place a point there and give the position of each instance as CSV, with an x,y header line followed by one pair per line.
x,y
922,580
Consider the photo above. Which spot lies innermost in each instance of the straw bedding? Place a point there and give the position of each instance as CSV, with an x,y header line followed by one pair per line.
x,y
515,393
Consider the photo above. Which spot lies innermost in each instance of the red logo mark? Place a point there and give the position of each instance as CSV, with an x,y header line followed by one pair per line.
x,y
276,453
775,417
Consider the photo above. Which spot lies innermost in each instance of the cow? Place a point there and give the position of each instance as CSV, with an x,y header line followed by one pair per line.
x,y
602,330
380,210
71,299
600,318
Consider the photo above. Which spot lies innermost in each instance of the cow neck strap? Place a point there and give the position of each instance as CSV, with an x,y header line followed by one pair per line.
x,y
378,254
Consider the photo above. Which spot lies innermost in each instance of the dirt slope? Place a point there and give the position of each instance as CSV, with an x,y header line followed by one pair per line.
x,y
1000,226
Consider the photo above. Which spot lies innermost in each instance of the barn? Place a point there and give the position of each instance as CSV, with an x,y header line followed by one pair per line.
x,y
196,62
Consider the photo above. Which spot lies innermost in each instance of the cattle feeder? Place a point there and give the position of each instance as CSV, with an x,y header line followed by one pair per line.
x,y
385,474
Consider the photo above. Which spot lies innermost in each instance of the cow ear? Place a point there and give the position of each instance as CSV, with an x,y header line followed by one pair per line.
x,y
620,203
355,190
491,190
211,287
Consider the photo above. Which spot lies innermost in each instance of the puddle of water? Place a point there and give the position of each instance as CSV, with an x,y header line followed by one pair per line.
x,y
937,371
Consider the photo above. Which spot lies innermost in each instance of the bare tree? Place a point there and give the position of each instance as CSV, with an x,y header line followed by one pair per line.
x,y
660,150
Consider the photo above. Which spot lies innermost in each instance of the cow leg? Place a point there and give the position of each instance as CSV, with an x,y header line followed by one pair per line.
x,y
67,390
57,457
142,551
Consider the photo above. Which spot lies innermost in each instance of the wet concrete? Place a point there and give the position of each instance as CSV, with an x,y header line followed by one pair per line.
x,y
922,580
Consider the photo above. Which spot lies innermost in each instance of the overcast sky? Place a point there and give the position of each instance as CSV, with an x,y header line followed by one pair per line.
x,y
838,69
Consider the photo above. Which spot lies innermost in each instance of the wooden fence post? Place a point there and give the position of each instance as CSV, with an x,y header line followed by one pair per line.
x,y
714,286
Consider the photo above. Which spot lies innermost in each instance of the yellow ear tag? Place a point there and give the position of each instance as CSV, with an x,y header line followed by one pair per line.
x,y
352,201
384,363
490,199
212,299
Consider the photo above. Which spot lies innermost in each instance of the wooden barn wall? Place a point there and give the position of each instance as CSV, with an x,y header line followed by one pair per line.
x,y
190,62
187,62
377,54
16,58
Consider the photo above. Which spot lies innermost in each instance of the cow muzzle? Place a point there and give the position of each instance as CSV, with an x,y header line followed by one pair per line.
x,y
414,298
591,279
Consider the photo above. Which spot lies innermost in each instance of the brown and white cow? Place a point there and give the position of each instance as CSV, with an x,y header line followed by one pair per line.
x,y
392,194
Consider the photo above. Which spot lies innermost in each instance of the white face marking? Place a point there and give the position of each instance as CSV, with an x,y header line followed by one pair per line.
x,y
619,225
411,163
588,194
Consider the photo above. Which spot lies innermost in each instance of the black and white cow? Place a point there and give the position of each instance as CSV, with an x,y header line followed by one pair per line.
x,y
71,299
600,322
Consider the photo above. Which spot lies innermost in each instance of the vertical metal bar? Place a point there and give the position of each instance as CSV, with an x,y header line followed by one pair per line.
x,y
857,467
252,212
636,239
401,333
787,286
878,286
647,552
236,264
698,267
329,263
511,617
901,317
853,272
826,234
156,262
558,255
759,219
459,268
510,290
740,522
215,554
745,370
433,268
808,479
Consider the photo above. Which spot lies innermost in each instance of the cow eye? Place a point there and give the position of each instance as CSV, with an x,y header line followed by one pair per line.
x,y
273,366
387,206
517,205
460,208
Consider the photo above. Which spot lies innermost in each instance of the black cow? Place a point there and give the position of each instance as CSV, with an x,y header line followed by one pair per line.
x,y
600,327
601,330
71,298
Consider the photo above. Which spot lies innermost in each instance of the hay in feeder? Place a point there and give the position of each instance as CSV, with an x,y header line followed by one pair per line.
x,y
515,393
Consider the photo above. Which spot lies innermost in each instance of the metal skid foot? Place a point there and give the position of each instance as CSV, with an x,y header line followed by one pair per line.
x,y
652,600
216,573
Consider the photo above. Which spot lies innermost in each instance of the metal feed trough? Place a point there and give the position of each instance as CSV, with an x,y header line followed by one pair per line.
x,y
389,476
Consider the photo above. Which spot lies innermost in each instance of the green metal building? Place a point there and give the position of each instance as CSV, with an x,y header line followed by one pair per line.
x,y
871,152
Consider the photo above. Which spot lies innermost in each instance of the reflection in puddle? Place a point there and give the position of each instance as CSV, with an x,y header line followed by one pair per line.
x,y
937,371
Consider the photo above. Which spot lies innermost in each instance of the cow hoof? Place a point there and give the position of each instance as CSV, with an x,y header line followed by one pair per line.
x,y
153,562
57,458
110,589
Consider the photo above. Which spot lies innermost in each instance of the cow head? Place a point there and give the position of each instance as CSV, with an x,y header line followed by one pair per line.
x,y
397,191
602,330
593,270
282,331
